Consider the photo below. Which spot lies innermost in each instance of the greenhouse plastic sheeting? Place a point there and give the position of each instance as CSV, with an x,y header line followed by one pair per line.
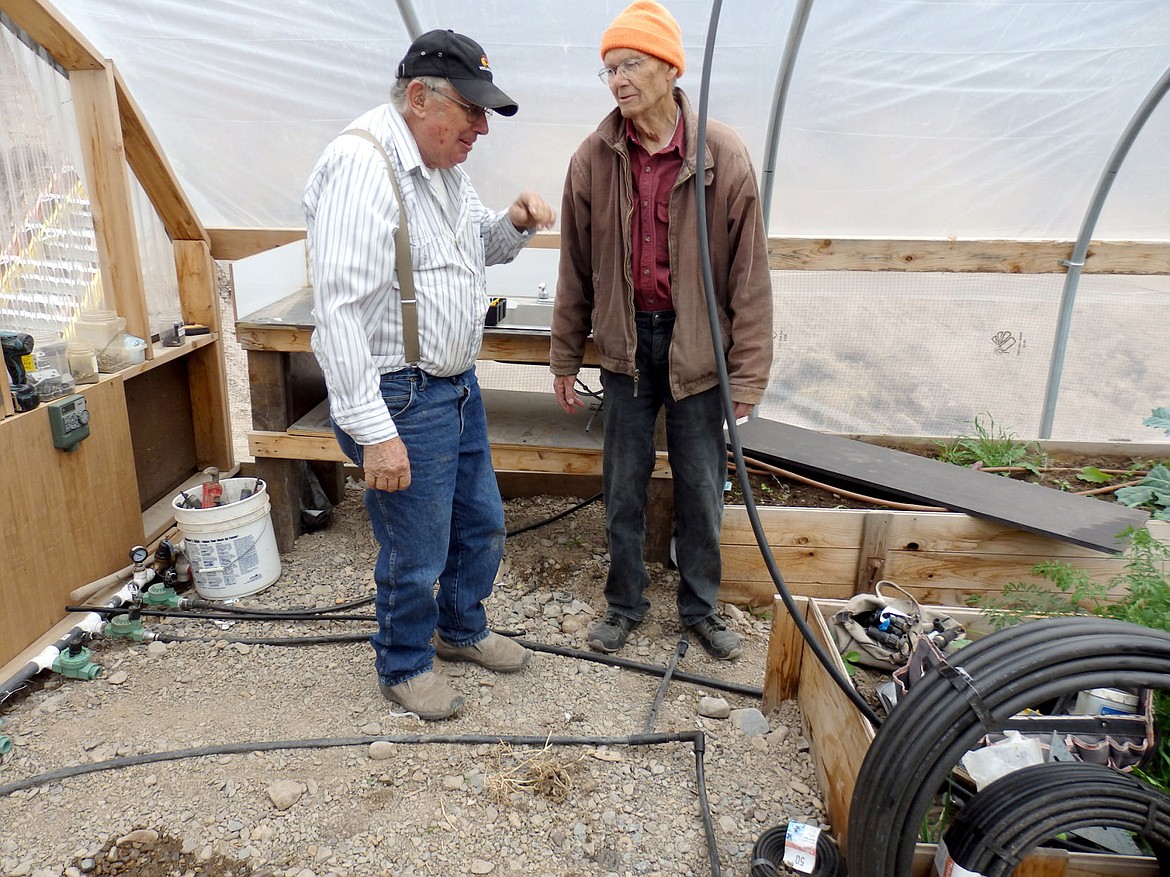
x,y
905,118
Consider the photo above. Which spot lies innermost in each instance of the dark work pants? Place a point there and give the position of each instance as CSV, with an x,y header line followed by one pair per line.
x,y
698,461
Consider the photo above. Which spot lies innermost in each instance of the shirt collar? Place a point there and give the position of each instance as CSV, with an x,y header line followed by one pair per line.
x,y
676,141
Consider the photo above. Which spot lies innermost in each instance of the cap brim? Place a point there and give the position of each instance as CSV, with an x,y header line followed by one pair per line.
x,y
485,94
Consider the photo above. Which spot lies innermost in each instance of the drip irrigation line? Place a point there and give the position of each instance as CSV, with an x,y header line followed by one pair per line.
x,y
1003,822
843,682
329,639
696,738
976,691
217,616
537,524
762,468
768,855
649,669
679,651
829,488
197,603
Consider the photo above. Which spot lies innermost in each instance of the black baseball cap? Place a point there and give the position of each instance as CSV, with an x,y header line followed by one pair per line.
x,y
460,60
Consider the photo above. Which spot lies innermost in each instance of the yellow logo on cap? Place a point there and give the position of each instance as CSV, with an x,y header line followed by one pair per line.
x,y
483,63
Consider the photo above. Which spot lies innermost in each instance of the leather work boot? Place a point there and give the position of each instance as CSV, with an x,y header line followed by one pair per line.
x,y
494,652
717,639
611,633
426,695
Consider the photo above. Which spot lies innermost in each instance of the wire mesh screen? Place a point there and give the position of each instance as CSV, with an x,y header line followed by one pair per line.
x,y
900,353
924,354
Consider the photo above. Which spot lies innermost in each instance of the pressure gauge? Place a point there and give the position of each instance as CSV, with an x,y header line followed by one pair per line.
x,y
138,554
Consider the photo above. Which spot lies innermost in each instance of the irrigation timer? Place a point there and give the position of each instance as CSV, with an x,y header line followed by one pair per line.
x,y
69,420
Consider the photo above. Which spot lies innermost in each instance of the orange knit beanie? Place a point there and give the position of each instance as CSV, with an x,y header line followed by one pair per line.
x,y
648,27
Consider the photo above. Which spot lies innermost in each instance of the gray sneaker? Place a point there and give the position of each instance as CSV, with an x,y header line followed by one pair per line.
x,y
722,643
426,695
611,633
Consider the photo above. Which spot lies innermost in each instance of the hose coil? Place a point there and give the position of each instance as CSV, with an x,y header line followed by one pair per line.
x,y
976,692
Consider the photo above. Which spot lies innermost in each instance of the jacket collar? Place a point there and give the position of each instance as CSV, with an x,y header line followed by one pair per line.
x,y
612,131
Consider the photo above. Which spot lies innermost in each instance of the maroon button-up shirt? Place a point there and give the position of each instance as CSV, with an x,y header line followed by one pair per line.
x,y
654,176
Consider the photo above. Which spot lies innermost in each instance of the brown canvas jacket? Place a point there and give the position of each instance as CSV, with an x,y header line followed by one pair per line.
x,y
595,292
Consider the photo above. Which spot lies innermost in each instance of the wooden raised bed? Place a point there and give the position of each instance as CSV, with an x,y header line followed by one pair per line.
x,y
840,737
940,557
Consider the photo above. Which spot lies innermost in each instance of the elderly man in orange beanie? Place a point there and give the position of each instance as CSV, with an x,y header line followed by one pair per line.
x,y
630,273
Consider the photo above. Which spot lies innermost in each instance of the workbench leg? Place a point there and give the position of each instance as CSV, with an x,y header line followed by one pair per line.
x,y
285,482
268,377
332,479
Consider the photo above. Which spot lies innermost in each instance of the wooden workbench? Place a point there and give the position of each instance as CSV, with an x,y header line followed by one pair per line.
x,y
290,416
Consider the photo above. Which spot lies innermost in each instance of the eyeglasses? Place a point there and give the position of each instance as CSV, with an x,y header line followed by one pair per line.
x,y
474,113
627,68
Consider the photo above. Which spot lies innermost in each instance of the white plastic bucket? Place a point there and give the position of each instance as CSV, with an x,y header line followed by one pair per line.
x,y
1106,702
232,546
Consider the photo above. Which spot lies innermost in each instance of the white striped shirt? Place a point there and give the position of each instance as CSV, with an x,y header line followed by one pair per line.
x,y
351,216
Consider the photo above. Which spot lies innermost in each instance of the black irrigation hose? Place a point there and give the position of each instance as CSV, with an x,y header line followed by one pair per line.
x,y
679,651
1006,820
975,692
197,603
218,616
829,662
537,524
768,855
695,738
649,669
329,639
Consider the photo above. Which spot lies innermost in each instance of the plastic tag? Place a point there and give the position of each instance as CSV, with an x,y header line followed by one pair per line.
x,y
945,866
800,846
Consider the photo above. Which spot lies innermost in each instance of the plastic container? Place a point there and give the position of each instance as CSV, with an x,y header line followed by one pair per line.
x,y
47,366
103,329
49,352
231,547
83,364
135,349
1106,702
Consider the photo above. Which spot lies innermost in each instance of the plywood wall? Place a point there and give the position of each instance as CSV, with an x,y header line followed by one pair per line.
x,y
66,518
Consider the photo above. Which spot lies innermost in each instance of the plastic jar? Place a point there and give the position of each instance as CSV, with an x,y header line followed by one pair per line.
x,y
103,329
49,375
49,352
83,364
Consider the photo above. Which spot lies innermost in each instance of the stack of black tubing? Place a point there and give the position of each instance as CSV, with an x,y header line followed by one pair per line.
x,y
768,855
1016,813
974,693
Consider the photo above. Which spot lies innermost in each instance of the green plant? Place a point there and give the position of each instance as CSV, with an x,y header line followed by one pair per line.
x,y
1143,587
1153,491
992,447
1075,594
851,658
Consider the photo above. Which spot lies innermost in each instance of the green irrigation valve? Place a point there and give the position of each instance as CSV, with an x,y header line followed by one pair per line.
x,y
5,742
76,664
125,626
159,594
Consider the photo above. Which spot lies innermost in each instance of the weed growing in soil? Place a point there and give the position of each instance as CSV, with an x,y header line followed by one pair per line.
x,y
992,447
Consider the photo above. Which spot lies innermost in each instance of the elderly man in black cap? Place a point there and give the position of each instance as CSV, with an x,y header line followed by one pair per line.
x,y
398,245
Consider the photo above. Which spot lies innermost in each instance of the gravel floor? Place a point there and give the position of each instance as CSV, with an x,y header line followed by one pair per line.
x,y
336,802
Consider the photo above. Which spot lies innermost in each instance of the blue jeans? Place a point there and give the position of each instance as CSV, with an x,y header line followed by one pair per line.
x,y
698,460
447,527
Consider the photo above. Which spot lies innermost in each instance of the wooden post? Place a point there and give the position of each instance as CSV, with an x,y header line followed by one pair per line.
x,y
785,655
108,184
